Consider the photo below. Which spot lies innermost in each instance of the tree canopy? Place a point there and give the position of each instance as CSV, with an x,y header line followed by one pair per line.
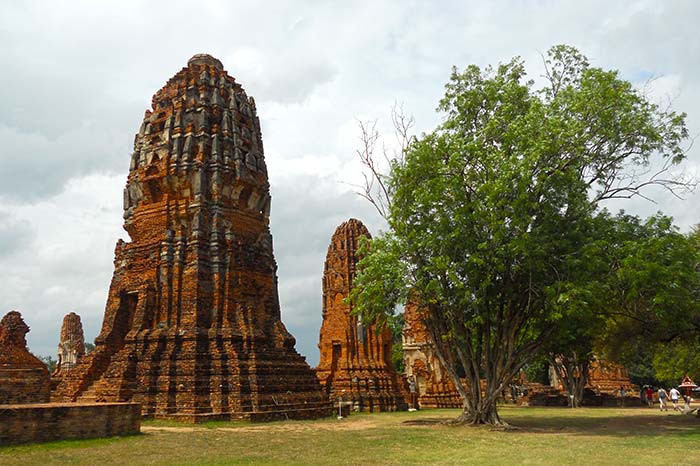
x,y
492,215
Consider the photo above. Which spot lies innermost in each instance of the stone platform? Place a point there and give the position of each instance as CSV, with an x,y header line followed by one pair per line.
x,y
46,422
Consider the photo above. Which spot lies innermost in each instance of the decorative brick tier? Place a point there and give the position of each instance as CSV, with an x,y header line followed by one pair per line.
x,y
192,324
355,362
31,423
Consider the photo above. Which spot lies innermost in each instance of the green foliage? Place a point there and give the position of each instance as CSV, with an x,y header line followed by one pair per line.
x,y
50,363
654,295
493,213
537,371
675,360
396,323
397,357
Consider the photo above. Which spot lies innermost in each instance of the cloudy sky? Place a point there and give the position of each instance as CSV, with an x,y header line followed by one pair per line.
x,y
76,78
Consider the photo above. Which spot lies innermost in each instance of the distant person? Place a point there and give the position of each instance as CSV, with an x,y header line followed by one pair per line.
x,y
650,396
663,397
675,394
414,395
622,395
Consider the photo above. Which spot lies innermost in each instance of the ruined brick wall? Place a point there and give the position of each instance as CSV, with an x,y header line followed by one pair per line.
x,y
23,377
603,377
50,422
433,384
355,361
192,323
608,377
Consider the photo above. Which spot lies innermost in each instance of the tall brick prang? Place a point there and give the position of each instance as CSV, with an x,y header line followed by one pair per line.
x,y
355,362
192,324
71,346
23,377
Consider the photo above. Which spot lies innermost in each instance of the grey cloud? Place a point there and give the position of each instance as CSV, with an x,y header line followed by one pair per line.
x,y
34,166
15,234
306,210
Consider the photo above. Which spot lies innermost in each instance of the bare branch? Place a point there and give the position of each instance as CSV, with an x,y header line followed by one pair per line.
x,y
376,189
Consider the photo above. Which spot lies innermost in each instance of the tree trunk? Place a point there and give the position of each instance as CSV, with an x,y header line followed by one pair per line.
x,y
573,374
484,414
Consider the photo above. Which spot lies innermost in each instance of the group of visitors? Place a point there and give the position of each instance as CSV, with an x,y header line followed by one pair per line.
x,y
673,394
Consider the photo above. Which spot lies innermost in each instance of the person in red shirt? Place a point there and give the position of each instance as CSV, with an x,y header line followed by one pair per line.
x,y
649,392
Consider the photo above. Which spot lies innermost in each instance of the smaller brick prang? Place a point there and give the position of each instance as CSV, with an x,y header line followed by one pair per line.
x,y
23,377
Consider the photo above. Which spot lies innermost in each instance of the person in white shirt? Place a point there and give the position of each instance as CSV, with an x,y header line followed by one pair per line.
x,y
674,394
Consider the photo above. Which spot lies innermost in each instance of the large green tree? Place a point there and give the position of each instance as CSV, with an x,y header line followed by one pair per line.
x,y
489,214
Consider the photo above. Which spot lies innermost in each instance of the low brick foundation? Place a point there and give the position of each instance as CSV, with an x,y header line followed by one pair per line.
x,y
59,421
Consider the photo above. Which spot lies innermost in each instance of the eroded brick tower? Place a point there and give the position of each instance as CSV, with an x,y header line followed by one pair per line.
x,y
71,346
355,362
192,325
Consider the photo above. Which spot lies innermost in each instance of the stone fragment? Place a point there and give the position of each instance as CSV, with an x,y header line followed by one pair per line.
x,y
23,377
192,326
355,364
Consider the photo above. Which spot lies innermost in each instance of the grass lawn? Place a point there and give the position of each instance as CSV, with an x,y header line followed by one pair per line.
x,y
545,436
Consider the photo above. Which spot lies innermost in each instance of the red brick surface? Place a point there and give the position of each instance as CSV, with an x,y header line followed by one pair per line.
x,y
58,421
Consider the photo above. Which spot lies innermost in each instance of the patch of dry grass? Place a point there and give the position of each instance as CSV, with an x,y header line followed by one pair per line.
x,y
544,436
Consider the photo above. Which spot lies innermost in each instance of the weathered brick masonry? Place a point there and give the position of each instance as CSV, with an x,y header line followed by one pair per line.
x,y
355,362
192,325
23,377
433,385
58,421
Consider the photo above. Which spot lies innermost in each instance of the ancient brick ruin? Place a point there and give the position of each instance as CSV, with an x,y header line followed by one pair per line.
x,y
48,422
23,377
608,377
192,324
603,377
433,385
355,362
71,346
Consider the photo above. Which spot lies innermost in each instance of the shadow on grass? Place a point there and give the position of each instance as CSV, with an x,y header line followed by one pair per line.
x,y
583,421
609,423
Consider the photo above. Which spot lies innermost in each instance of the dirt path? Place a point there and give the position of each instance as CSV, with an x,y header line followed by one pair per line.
x,y
341,425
